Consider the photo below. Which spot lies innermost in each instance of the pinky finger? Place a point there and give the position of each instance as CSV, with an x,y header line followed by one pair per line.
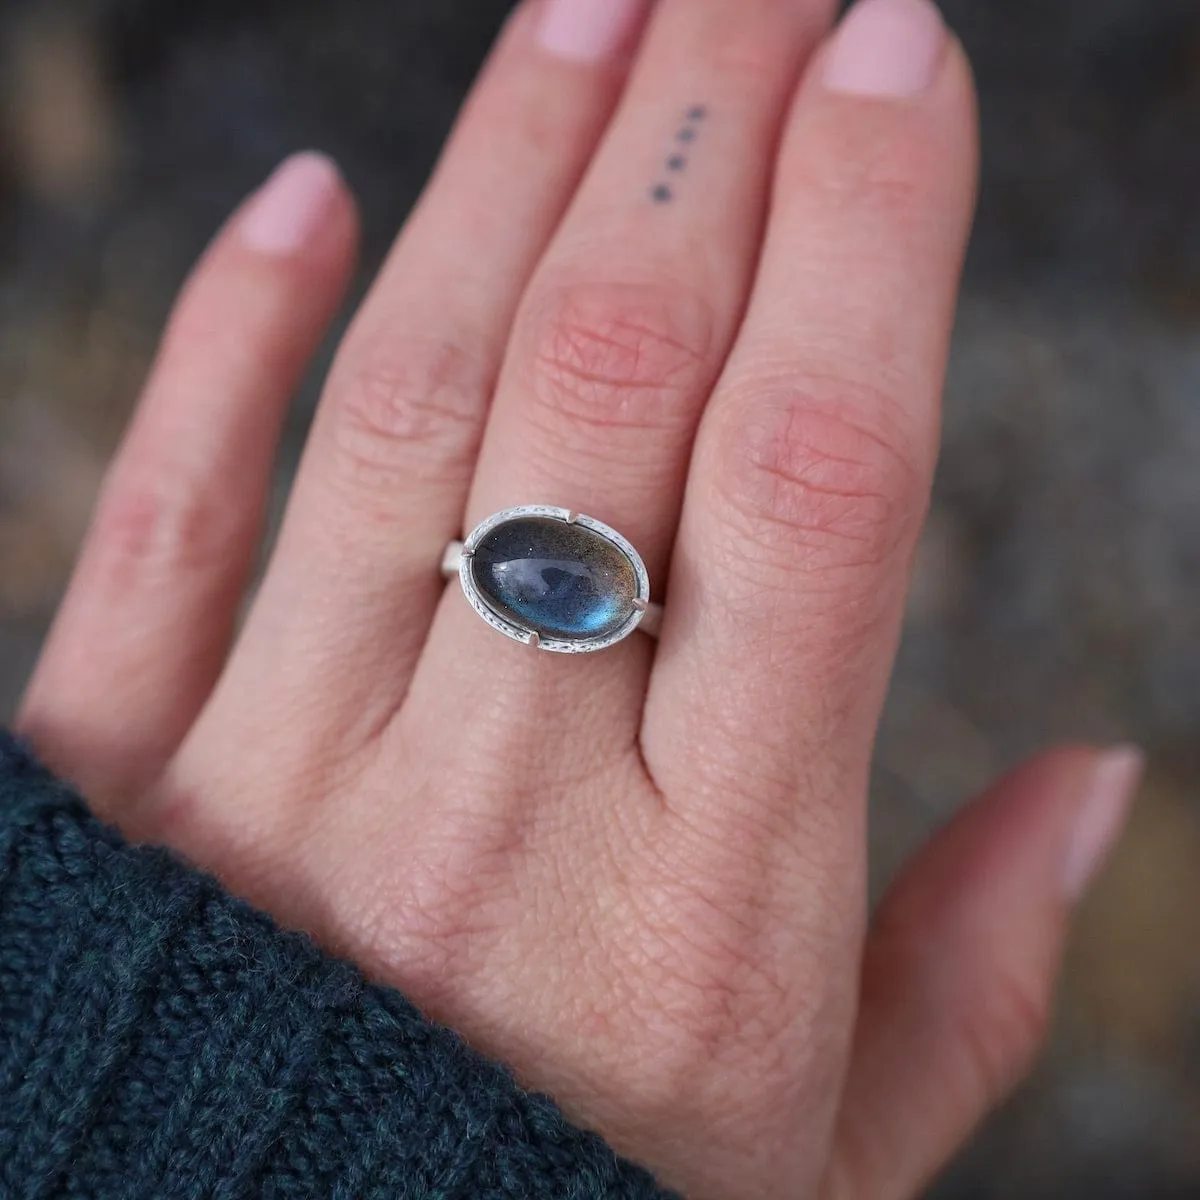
x,y
146,623
961,964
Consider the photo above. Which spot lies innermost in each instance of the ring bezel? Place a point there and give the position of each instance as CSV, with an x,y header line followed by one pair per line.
x,y
523,633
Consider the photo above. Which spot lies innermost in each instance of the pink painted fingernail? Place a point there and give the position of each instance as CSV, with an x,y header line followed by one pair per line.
x,y
886,49
588,30
1101,817
290,208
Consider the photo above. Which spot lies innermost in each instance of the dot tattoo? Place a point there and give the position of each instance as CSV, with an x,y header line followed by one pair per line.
x,y
677,161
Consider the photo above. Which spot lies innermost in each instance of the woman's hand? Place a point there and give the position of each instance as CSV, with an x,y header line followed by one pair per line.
x,y
696,280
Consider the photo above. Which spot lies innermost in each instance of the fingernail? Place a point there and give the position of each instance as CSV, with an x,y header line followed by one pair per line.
x,y
886,49
290,208
1101,817
587,30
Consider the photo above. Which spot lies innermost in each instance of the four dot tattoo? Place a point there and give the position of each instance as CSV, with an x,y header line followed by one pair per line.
x,y
676,163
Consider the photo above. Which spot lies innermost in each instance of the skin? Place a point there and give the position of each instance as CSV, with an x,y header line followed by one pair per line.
x,y
636,876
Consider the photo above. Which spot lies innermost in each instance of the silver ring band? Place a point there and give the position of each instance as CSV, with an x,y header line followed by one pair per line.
x,y
554,579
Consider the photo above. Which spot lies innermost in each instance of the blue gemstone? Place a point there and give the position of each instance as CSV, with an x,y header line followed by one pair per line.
x,y
566,582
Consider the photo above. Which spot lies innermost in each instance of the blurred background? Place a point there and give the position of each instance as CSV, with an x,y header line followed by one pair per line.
x,y
1058,585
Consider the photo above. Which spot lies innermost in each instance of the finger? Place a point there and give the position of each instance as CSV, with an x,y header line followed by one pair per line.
x,y
146,623
630,315
355,578
960,967
620,337
813,463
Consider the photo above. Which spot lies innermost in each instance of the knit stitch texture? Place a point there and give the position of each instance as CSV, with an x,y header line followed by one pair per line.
x,y
159,1038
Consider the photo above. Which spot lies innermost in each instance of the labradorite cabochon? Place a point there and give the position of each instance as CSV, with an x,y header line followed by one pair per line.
x,y
566,582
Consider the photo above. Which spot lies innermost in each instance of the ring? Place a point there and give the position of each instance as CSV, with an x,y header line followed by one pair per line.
x,y
554,579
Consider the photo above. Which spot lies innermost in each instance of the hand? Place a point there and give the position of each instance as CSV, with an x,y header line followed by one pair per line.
x,y
696,280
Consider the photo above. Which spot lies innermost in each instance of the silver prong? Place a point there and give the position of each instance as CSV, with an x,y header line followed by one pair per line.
x,y
452,559
534,640
572,517
641,605
468,554
651,622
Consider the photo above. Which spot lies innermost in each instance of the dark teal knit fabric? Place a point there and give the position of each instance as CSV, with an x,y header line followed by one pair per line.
x,y
161,1039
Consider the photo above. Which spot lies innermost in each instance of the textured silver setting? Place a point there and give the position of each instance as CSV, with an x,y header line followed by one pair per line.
x,y
458,560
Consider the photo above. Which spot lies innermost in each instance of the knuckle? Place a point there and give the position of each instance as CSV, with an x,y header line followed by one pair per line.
x,y
872,176
741,43
1002,1034
617,357
992,1027
158,526
416,403
841,490
745,46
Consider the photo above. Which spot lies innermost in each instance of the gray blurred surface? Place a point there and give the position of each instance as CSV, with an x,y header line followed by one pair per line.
x,y
1057,587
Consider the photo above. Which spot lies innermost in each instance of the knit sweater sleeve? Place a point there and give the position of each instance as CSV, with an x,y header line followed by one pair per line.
x,y
159,1038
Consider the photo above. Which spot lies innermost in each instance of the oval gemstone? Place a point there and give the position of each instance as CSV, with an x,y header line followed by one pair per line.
x,y
567,582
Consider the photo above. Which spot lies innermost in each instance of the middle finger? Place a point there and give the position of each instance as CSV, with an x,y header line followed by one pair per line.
x,y
621,334
353,584
627,322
